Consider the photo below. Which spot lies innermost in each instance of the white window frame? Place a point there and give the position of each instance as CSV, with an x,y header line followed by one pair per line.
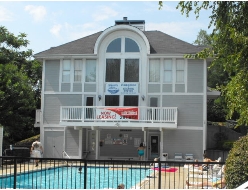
x,y
167,69
79,69
64,61
180,67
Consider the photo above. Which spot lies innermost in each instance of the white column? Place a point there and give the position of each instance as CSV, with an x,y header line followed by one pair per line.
x,y
97,144
161,141
145,140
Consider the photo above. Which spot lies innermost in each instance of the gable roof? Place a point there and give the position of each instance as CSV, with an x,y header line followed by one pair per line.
x,y
160,43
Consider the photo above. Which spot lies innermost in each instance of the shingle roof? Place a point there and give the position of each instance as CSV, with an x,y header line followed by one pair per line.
x,y
160,43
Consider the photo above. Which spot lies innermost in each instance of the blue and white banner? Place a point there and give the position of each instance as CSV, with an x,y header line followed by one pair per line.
x,y
121,89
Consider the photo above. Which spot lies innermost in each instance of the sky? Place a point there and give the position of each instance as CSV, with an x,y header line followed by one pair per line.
x,y
53,23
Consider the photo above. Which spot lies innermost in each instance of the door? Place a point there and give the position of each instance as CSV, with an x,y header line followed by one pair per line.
x,y
89,101
154,148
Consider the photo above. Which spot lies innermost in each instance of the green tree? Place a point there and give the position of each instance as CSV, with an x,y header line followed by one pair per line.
x,y
229,49
20,79
203,38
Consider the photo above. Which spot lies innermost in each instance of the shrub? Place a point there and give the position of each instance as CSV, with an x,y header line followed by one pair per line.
x,y
237,164
227,145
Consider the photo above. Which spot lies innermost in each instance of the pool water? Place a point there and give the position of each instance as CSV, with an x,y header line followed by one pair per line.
x,y
71,178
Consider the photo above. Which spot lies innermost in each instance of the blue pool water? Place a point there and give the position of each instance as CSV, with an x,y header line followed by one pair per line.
x,y
70,178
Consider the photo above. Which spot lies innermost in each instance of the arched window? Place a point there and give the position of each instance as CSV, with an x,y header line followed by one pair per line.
x,y
114,46
131,46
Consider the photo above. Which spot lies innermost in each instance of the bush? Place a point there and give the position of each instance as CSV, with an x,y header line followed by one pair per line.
x,y
237,164
227,145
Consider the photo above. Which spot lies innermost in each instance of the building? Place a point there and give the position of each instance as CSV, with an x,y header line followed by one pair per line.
x,y
104,94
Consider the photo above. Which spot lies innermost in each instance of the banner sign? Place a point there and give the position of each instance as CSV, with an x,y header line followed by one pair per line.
x,y
121,89
117,113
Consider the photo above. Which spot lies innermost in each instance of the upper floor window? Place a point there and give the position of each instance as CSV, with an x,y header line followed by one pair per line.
x,y
78,70
180,70
90,75
114,46
154,70
131,70
113,67
168,71
66,71
131,45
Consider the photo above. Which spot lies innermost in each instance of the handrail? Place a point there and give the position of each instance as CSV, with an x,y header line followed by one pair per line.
x,y
66,154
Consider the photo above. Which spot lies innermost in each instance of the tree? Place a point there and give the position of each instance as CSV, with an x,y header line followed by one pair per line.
x,y
20,80
229,49
203,38
237,164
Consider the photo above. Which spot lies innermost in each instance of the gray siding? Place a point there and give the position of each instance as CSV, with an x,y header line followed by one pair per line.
x,y
89,87
153,88
180,88
128,150
53,144
52,105
183,141
195,75
77,87
167,87
65,87
190,109
52,75
72,142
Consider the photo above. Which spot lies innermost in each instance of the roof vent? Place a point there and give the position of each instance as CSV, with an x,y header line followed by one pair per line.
x,y
140,24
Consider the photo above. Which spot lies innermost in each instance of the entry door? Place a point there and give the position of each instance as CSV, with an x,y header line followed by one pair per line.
x,y
154,148
91,144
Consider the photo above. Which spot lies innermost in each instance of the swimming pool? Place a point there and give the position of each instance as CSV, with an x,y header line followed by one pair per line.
x,y
71,178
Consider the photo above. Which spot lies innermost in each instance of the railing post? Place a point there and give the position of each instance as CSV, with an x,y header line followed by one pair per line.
x,y
15,172
85,174
159,175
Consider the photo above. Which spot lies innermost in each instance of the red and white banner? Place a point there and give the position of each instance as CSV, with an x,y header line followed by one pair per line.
x,y
117,113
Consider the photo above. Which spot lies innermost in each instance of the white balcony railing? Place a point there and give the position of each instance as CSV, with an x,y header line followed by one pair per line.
x,y
118,114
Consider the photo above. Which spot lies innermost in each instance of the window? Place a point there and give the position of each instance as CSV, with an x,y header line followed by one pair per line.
x,y
180,71
131,45
131,100
111,100
78,70
154,70
168,70
90,75
114,46
113,70
66,71
131,70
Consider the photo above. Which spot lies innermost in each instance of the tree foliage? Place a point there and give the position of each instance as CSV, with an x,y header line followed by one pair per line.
x,y
20,79
237,164
229,49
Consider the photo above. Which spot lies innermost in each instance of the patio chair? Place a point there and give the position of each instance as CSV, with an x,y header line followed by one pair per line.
x,y
189,157
178,157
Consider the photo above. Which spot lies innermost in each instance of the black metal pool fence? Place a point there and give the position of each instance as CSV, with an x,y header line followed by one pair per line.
x,y
51,173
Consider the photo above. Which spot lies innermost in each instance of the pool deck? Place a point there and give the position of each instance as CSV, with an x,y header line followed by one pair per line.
x,y
169,180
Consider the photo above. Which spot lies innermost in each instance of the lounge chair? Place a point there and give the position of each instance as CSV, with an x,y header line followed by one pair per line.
x,y
178,157
189,157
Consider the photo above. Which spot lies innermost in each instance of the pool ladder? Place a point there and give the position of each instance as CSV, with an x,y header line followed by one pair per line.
x,y
65,154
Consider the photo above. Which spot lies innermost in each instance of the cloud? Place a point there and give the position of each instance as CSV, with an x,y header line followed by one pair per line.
x,y
38,12
186,31
104,13
55,30
5,15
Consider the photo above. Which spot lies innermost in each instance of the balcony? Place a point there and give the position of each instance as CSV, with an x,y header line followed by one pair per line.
x,y
133,117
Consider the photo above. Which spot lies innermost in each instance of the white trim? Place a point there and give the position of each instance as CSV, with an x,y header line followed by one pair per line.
x,y
112,29
204,106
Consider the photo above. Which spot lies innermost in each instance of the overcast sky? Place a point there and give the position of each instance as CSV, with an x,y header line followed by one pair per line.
x,y
52,23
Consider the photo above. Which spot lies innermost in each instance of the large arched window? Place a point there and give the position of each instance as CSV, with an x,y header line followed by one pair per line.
x,y
122,67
